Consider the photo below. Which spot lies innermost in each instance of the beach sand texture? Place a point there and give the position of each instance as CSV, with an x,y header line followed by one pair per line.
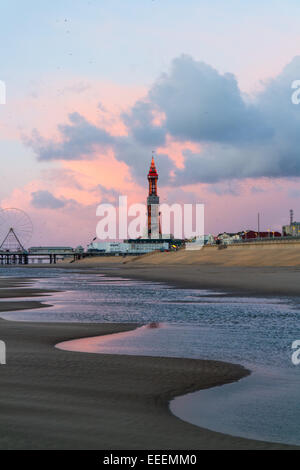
x,y
54,399
250,254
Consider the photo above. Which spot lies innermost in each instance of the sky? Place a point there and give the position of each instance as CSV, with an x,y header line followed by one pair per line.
x,y
93,86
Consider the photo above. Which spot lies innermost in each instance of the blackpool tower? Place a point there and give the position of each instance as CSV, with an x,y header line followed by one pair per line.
x,y
154,230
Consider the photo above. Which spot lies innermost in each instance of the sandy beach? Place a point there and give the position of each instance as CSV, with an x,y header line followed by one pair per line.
x,y
54,399
260,269
235,280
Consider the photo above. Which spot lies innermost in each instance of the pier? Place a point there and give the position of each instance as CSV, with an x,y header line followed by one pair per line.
x,y
25,257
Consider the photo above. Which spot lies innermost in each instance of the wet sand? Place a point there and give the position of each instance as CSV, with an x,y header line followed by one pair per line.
x,y
253,269
19,287
269,281
54,399
236,280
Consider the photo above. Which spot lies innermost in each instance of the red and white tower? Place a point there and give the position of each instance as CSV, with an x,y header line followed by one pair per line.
x,y
154,230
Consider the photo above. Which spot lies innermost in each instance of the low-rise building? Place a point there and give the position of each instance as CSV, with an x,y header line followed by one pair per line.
x,y
251,234
204,240
292,230
227,238
128,247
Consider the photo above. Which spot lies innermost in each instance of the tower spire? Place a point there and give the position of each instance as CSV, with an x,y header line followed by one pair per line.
x,y
152,178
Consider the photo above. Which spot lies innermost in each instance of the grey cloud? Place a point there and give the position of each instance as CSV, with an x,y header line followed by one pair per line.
x,y
138,158
46,200
79,139
231,187
239,138
200,104
218,162
139,121
178,194
272,152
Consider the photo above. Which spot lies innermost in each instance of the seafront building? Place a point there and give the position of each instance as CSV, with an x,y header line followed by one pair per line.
x,y
292,230
129,247
228,238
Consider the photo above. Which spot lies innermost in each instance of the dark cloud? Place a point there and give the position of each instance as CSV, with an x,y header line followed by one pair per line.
x,y
172,196
129,151
273,149
79,140
46,200
200,104
239,137
139,121
218,162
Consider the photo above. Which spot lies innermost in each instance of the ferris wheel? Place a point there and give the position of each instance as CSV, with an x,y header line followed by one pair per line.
x,y
15,229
